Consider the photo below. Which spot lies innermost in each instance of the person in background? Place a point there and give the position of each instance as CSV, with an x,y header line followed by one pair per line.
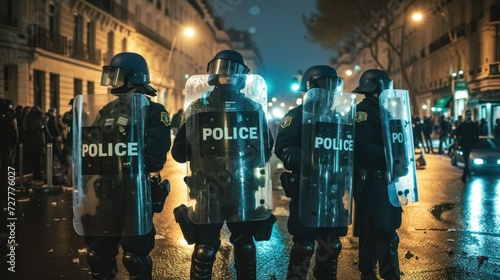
x,y
8,142
53,128
467,134
483,127
176,121
36,136
428,124
496,129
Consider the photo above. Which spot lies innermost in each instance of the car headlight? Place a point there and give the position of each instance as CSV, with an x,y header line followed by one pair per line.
x,y
478,161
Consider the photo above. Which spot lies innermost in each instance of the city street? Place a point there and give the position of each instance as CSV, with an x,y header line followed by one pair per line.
x,y
451,233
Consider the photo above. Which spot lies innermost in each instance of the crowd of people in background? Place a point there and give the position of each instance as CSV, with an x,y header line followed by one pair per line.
x,y
427,130
28,130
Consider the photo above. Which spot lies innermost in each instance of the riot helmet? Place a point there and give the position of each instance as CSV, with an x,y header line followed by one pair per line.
x,y
373,81
124,69
228,64
321,76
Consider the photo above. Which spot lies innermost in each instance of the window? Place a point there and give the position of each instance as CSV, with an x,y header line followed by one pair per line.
x,y
6,79
77,87
90,35
111,43
54,91
90,87
53,19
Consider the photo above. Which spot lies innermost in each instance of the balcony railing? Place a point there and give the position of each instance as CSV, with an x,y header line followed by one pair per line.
x,y
47,40
146,31
8,20
116,10
42,38
494,13
83,52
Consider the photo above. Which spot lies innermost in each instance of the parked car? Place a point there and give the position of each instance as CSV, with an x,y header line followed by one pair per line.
x,y
484,158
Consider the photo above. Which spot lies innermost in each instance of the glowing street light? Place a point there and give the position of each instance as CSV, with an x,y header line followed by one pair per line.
x,y
417,16
188,32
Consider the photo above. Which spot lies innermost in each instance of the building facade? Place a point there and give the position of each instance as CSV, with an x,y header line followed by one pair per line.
x,y
451,56
50,51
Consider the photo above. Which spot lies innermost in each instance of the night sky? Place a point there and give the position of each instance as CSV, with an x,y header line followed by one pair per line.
x,y
280,36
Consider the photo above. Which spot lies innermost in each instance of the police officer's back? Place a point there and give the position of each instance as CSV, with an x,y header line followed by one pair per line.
x,y
376,217
295,147
128,74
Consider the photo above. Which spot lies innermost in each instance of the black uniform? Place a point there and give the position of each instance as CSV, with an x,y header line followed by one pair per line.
x,y
467,134
102,250
377,218
207,236
288,149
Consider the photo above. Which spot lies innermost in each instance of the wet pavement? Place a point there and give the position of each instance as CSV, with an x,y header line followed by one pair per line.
x,y
451,233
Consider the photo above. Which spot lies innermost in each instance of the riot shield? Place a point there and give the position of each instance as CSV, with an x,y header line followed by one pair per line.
x,y
112,192
398,145
326,171
228,170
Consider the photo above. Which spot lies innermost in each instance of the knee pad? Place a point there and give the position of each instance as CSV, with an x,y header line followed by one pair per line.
x,y
245,249
101,267
330,247
305,249
204,253
137,267
202,261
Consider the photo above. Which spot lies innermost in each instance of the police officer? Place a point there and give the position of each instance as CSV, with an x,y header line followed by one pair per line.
x,y
377,218
467,134
129,72
288,149
233,185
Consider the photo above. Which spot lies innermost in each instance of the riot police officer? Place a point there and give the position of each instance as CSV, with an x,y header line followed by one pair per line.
x,y
377,218
127,73
224,137
290,149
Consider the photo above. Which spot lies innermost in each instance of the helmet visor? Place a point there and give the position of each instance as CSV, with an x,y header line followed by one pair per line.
x,y
327,83
112,76
226,67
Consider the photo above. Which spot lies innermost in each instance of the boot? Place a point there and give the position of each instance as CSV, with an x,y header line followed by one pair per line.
x,y
137,267
103,268
387,254
202,262
327,256
245,261
300,258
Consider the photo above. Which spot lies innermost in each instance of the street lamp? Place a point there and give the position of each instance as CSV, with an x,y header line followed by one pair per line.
x,y
188,32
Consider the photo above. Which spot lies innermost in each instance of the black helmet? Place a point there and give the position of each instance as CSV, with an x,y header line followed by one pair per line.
x,y
128,67
320,76
227,62
373,81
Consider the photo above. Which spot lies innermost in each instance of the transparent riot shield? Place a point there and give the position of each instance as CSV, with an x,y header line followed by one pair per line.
x,y
228,170
111,195
326,171
398,145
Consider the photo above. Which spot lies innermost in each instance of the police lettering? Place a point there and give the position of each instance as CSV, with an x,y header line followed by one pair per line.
x,y
228,133
334,144
111,149
397,137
